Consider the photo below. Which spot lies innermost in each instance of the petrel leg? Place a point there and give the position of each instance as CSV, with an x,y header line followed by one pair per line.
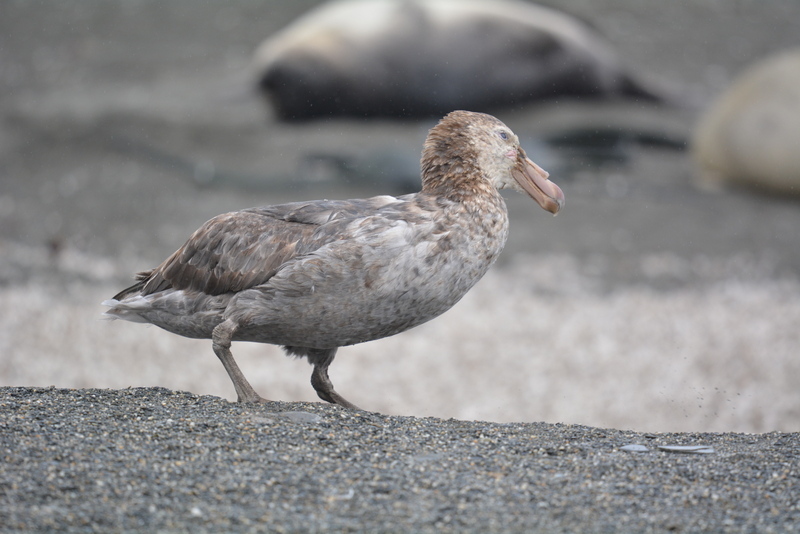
x,y
221,342
321,359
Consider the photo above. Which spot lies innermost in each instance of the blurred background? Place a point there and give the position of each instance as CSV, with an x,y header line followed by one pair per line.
x,y
665,297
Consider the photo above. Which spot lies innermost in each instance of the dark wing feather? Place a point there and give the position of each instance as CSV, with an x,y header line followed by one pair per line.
x,y
230,252
243,249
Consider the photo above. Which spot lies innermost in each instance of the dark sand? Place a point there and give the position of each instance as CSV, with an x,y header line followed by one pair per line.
x,y
154,460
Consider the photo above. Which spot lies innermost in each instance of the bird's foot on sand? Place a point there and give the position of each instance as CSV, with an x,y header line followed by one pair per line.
x,y
324,387
252,398
335,398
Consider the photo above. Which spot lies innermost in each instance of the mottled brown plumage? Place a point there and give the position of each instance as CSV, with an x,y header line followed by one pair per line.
x,y
315,276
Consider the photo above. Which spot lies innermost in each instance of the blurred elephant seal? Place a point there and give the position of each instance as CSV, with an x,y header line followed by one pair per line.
x,y
415,58
751,135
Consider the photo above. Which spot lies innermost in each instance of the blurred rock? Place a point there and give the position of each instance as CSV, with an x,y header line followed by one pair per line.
x,y
751,135
395,58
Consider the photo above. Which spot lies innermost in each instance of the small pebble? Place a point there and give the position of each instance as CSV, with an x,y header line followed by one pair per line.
x,y
634,447
299,417
687,449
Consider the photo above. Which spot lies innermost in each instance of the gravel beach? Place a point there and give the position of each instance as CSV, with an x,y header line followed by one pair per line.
x,y
155,460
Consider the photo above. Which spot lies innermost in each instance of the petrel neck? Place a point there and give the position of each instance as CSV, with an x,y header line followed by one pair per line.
x,y
451,172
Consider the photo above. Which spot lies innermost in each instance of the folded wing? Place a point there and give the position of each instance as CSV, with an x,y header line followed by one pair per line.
x,y
243,249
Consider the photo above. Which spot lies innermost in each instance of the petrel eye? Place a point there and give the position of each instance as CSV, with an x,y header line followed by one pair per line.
x,y
503,136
